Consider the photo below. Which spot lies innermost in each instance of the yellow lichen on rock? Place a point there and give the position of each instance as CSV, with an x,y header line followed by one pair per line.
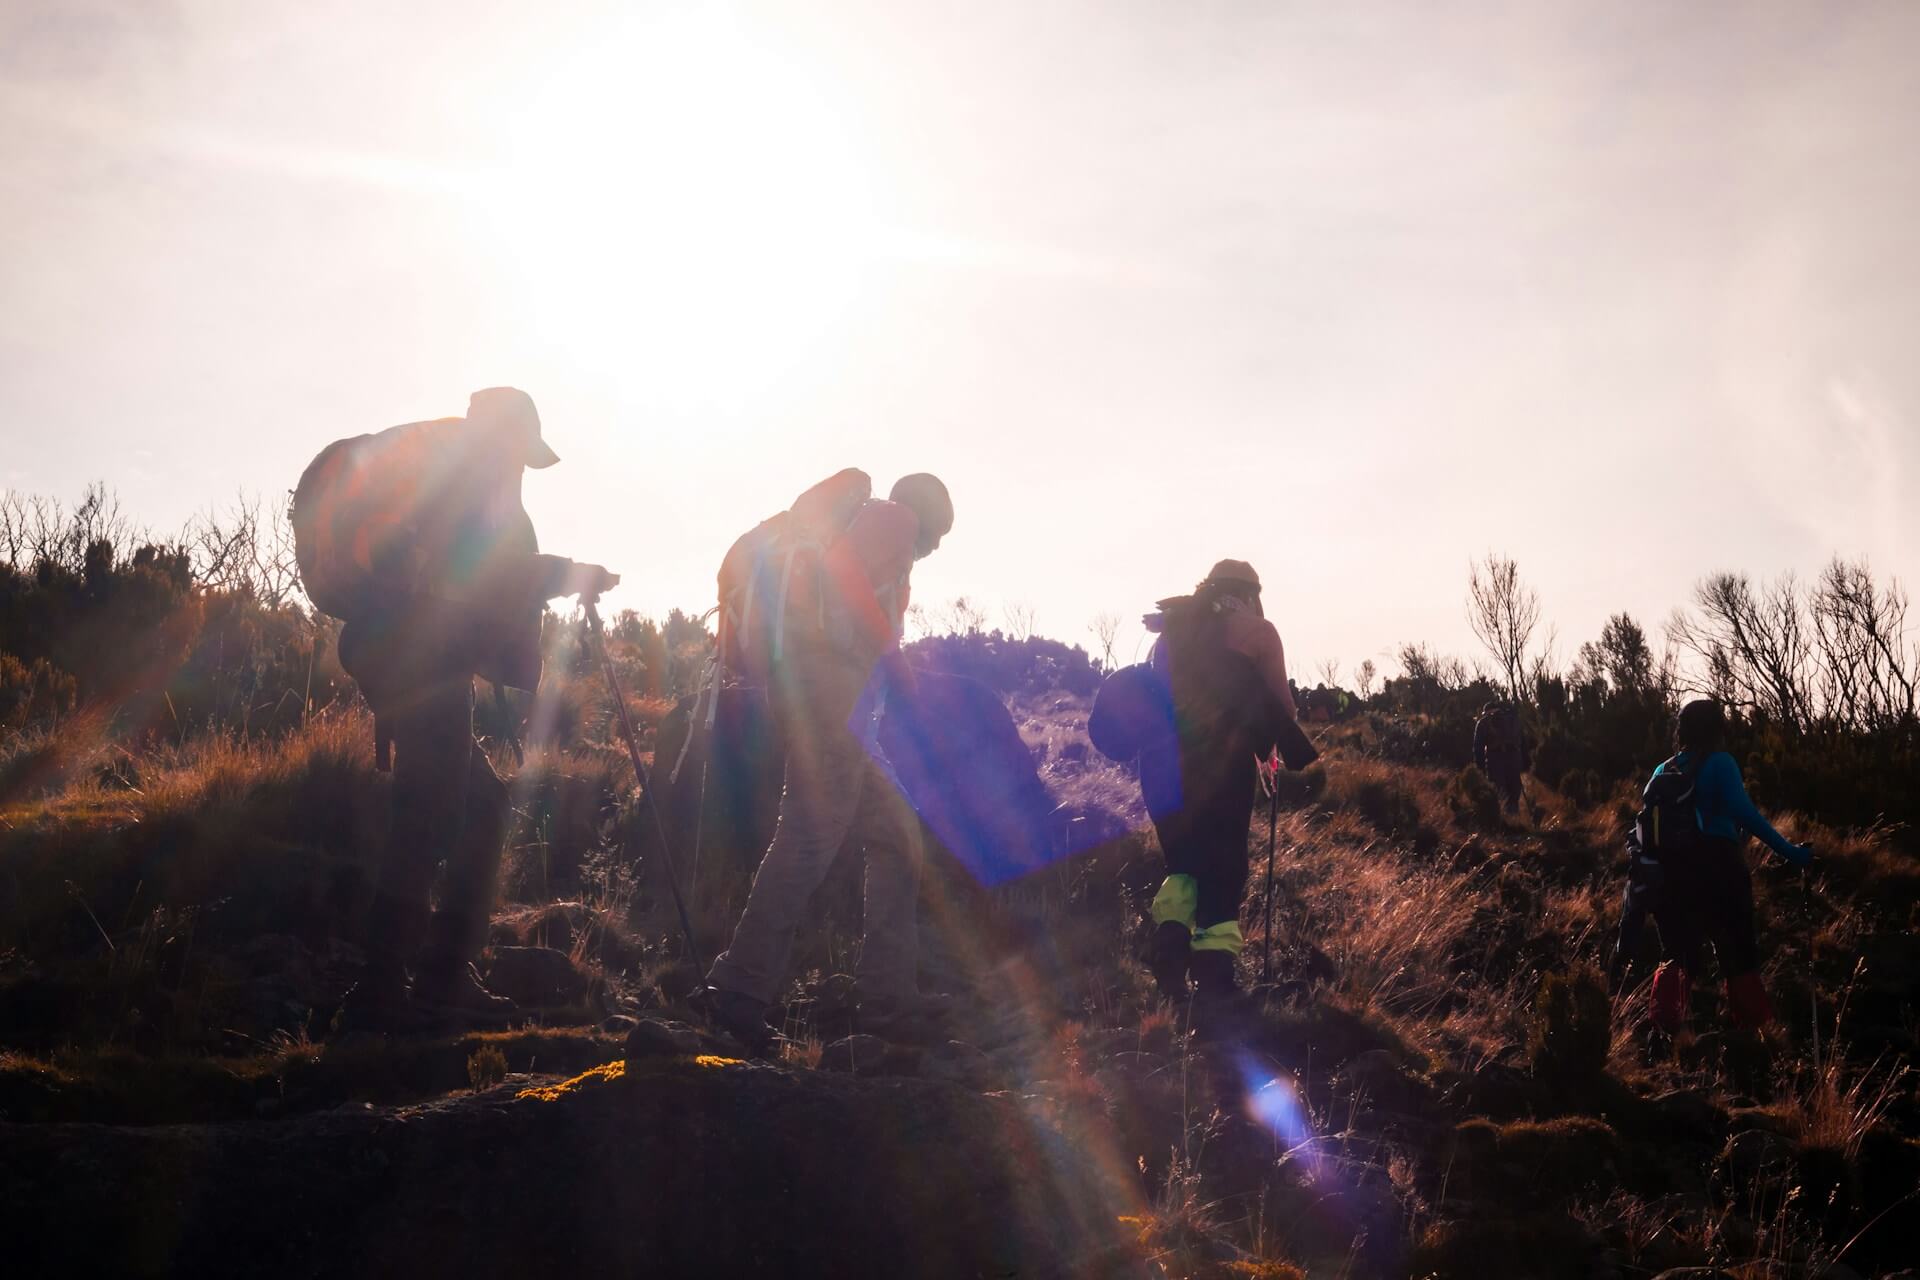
x,y
606,1072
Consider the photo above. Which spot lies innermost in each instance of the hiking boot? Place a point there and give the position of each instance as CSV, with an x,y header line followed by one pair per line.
x,y
1168,954
458,995
738,1015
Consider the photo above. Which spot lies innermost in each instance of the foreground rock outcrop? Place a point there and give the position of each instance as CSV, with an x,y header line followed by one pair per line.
x,y
662,1168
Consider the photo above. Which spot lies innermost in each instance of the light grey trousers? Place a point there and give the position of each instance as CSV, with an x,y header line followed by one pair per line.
x,y
836,797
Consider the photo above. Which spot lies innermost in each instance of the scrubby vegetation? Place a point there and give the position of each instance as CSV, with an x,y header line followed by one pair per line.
x,y
1432,1081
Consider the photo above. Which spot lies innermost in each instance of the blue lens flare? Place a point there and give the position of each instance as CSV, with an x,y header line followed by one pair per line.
x,y
1274,1102
955,754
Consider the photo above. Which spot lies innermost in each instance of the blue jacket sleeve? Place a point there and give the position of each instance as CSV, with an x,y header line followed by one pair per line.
x,y
1726,795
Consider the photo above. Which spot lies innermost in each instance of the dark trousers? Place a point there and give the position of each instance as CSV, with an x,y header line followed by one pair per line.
x,y
1201,814
1708,898
448,806
1503,770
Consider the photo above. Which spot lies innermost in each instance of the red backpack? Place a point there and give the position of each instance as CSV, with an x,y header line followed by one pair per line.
x,y
759,576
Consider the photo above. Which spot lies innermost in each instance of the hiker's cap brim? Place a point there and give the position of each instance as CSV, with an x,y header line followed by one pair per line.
x,y
540,455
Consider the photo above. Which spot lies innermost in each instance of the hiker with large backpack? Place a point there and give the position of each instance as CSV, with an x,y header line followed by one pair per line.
x,y
1225,677
417,539
1686,872
1500,750
811,604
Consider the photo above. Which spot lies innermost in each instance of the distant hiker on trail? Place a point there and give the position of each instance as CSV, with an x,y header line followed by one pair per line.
x,y
1688,873
1226,670
1500,749
417,539
811,604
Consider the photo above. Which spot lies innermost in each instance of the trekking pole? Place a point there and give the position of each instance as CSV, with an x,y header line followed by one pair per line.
x,y
1273,838
652,801
504,710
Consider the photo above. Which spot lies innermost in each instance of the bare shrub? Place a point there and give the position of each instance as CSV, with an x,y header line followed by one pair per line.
x,y
1106,633
486,1067
1472,799
1503,612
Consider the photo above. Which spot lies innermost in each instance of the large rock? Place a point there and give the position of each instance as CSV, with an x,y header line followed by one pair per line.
x,y
657,1037
678,1168
535,977
1533,1162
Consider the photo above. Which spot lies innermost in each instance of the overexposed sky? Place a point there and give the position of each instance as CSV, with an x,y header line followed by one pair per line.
x,y
1354,291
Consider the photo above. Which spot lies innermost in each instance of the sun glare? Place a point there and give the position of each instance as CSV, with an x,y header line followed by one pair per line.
x,y
683,202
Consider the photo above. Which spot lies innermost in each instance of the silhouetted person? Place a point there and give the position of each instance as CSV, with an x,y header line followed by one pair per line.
x,y
418,538
1500,749
1227,674
831,604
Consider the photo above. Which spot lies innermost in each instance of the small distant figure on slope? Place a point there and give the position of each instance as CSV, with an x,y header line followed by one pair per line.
x,y
1500,751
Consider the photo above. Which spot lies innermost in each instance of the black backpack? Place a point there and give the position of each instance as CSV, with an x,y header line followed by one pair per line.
x,y
1132,712
1668,824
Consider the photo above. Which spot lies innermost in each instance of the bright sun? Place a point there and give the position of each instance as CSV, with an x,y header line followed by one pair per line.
x,y
683,203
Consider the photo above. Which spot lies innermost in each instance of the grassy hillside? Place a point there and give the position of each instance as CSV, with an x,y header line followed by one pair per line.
x,y
1435,1082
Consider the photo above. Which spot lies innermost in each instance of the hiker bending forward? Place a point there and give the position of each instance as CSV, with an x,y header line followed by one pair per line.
x,y
1227,672
1705,893
835,659
426,521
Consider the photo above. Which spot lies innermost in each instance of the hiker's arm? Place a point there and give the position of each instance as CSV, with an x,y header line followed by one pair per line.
x,y
1725,779
1258,639
553,576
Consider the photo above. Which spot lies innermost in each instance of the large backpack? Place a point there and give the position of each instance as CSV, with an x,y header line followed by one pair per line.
x,y
771,575
355,512
1210,694
1667,828
1132,712
1502,730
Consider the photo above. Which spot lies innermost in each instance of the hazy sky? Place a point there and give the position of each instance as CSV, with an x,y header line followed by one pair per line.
x,y
1354,291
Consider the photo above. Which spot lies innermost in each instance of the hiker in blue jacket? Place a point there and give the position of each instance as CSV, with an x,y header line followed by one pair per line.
x,y
1706,894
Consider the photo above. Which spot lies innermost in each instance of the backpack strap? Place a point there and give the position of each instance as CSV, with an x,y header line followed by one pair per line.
x,y
710,695
780,608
